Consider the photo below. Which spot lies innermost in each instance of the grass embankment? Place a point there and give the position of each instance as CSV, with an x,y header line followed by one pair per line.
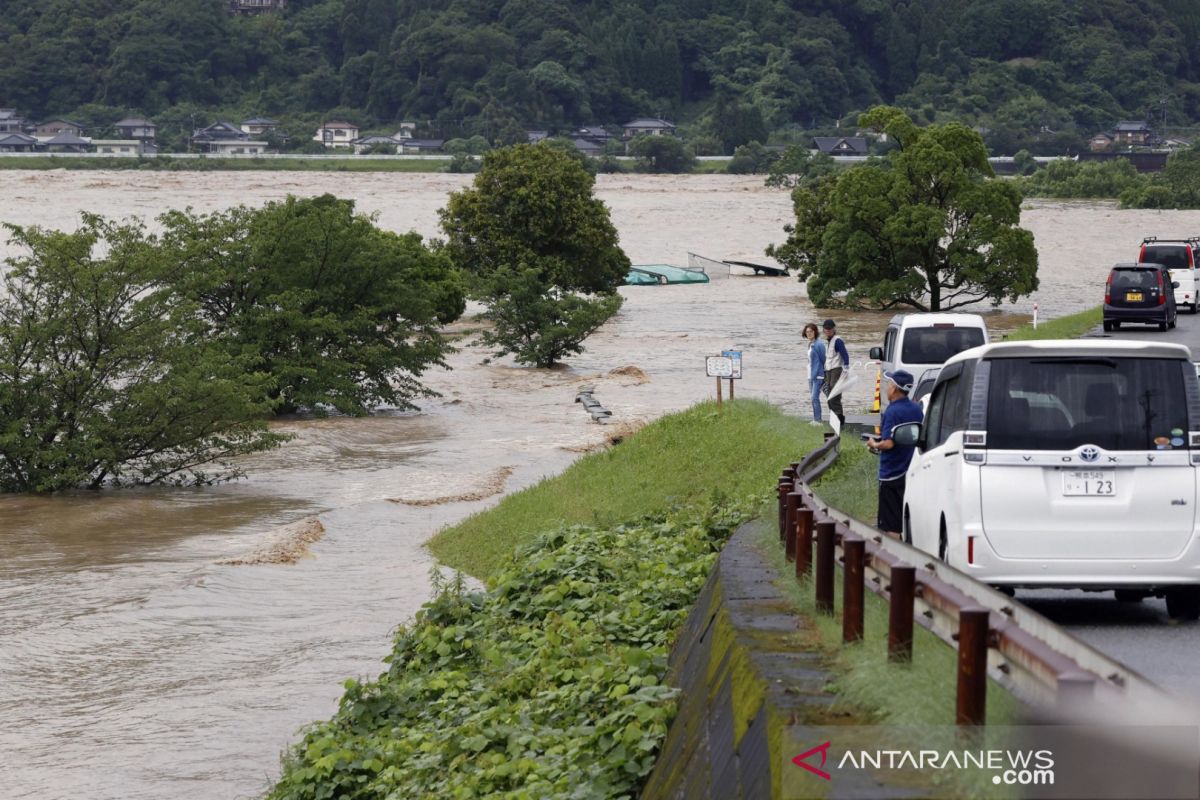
x,y
736,452
1069,327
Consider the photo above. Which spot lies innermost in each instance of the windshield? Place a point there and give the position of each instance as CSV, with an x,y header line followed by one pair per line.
x,y
1064,403
1135,279
935,345
1171,256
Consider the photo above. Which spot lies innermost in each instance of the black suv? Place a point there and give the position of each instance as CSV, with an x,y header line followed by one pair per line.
x,y
1139,293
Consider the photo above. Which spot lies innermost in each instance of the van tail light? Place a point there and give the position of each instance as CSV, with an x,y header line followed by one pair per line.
x,y
970,549
1142,254
1162,295
1108,290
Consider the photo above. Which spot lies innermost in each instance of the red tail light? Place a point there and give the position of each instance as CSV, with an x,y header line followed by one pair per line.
x,y
1142,254
970,549
1162,294
1108,290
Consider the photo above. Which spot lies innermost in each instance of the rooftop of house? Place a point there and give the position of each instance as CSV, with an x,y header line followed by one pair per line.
x,y
16,138
1133,126
828,144
259,121
134,122
337,123
72,123
649,122
67,139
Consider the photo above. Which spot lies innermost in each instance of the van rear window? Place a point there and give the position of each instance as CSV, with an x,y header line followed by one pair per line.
x,y
1171,256
1135,279
1064,403
935,345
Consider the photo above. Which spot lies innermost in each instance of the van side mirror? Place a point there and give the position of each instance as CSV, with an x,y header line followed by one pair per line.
x,y
907,434
876,354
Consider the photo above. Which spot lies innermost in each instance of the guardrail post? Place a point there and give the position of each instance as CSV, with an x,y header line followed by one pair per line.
x,y
971,707
854,550
1075,689
804,534
829,435
900,613
824,567
785,486
789,537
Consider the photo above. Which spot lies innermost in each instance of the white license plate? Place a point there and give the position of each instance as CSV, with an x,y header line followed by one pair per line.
x,y
1092,483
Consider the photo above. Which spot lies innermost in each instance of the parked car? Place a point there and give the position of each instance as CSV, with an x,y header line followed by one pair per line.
x,y
918,342
1063,463
1182,260
1139,293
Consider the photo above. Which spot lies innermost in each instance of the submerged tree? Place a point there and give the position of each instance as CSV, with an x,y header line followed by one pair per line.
x,y
106,377
341,313
927,227
541,250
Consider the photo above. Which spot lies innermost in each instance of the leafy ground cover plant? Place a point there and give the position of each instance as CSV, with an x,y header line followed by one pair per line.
x,y
549,685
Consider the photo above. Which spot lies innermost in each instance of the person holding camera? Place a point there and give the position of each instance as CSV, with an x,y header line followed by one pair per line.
x,y
894,458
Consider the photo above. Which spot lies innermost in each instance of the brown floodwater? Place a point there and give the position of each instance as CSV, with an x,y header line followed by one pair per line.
x,y
135,663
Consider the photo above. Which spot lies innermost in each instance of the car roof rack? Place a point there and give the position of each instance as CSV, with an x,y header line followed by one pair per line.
x,y
1153,239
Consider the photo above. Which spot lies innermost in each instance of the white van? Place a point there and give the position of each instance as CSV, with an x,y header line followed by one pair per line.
x,y
1063,463
918,342
1180,257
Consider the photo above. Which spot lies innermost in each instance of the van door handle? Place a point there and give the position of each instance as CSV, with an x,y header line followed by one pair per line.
x,y
951,453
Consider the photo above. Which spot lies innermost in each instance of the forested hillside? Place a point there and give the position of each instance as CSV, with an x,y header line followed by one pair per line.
x,y
1033,72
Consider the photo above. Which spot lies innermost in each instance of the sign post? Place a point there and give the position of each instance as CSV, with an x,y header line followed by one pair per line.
x,y
727,365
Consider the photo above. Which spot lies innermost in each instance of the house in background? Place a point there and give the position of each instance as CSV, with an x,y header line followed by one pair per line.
x,y
589,147
336,133
259,126
124,147
648,126
17,143
11,121
537,136
53,127
421,146
1134,133
64,143
407,131
225,138
256,6
365,143
1100,142
840,145
136,128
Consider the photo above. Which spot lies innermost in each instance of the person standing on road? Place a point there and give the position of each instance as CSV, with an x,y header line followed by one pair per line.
x,y
837,359
894,458
816,368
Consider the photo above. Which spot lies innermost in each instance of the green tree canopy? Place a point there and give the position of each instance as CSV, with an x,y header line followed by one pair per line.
x,y
541,250
661,154
106,377
924,228
339,312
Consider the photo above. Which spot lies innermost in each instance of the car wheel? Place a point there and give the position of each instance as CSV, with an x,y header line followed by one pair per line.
x,y
1116,326
1193,308
1171,324
1108,326
1162,326
1184,604
906,534
1129,595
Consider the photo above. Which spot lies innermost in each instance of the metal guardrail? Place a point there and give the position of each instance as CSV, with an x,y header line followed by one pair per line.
x,y
1023,651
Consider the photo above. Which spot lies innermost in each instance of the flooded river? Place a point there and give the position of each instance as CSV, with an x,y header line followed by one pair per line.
x,y
137,662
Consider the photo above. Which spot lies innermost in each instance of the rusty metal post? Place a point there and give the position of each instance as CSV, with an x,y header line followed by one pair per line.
x,y
971,707
854,551
803,547
900,613
718,392
824,567
792,506
1075,689
785,486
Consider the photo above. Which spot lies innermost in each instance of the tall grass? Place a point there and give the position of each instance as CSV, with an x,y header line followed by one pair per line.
x,y
1069,327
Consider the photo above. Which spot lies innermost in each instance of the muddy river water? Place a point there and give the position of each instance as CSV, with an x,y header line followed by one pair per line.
x,y
135,662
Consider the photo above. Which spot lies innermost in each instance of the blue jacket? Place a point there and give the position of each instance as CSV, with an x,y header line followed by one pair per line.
x,y
816,359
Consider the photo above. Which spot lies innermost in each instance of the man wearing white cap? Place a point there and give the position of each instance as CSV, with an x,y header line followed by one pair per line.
x,y
894,458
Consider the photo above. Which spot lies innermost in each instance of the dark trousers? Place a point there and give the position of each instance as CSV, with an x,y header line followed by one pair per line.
x,y
832,376
891,505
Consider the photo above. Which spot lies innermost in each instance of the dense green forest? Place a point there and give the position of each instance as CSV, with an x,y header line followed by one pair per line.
x,y
1040,74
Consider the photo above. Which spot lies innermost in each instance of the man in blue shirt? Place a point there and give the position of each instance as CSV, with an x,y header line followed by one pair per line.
x,y
894,458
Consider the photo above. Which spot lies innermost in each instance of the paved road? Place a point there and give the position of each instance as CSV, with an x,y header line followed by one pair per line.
x,y
1139,634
